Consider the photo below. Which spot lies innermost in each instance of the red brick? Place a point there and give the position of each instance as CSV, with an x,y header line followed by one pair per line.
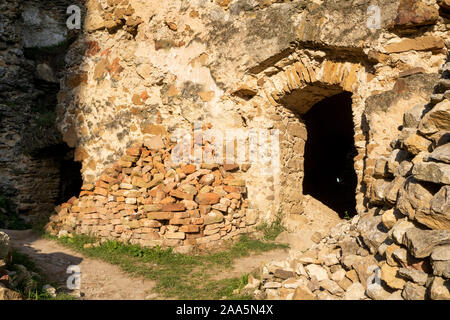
x,y
230,189
198,221
207,198
181,195
177,221
231,167
134,152
188,169
160,215
181,215
101,191
173,207
193,213
190,228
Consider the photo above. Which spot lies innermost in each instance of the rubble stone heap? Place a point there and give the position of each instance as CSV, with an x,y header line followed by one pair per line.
x,y
400,248
146,199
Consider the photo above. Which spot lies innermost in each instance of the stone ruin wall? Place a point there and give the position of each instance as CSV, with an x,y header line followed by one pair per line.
x,y
146,199
142,69
400,248
33,40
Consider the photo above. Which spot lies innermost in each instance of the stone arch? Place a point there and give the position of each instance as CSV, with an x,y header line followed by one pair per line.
x,y
292,93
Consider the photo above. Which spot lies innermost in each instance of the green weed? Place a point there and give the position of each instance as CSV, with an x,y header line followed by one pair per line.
x,y
177,275
36,280
272,230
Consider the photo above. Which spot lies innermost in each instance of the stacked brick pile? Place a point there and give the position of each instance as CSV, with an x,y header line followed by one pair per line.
x,y
146,199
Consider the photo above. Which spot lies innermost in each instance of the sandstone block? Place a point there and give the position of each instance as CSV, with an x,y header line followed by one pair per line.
x,y
432,172
303,293
153,207
160,215
175,235
416,144
190,228
422,242
415,276
355,291
412,291
391,277
441,154
179,206
440,289
418,44
436,119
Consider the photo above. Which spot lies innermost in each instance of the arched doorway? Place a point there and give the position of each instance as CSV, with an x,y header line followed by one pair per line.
x,y
329,174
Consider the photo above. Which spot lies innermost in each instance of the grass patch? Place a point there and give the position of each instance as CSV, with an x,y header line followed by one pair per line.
x,y
176,275
271,230
36,281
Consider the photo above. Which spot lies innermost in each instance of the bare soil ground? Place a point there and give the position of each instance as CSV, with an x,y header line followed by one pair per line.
x,y
99,280
103,281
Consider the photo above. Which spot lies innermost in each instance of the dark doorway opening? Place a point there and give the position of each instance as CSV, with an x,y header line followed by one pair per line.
x,y
329,151
70,179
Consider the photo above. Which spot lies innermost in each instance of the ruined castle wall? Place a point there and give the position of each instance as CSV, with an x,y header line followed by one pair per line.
x,y
142,69
147,199
30,177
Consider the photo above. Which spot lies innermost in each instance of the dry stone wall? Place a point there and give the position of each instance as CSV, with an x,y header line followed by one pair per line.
x,y
145,198
140,70
400,248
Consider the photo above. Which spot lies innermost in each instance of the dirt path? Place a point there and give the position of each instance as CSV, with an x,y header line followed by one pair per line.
x,y
101,280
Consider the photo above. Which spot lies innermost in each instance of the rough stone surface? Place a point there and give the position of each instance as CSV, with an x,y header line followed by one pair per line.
x,y
415,276
372,231
441,268
414,198
422,242
441,154
440,289
412,291
316,271
432,172
437,119
391,277
355,292
141,72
